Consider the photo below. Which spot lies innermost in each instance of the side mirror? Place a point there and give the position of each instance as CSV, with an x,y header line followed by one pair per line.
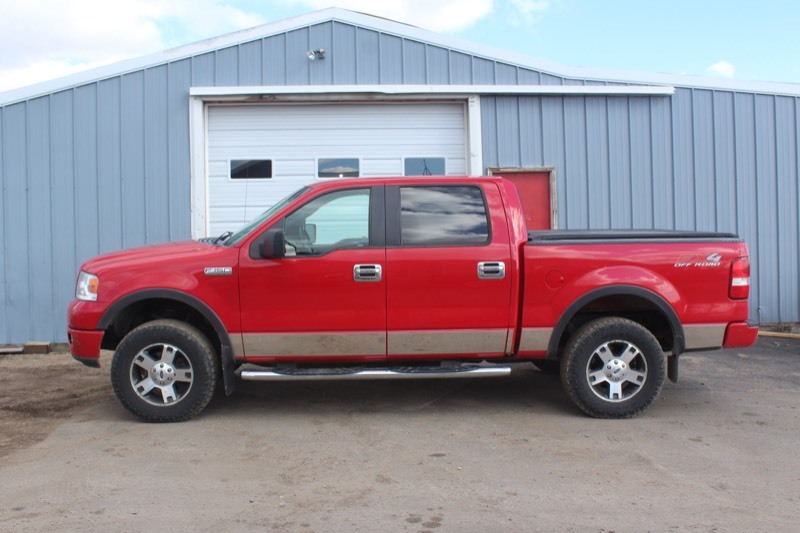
x,y
271,245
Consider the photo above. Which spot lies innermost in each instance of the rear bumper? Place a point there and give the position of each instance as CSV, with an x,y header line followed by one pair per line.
x,y
85,345
740,335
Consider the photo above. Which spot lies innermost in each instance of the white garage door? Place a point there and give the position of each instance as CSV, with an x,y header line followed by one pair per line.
x,y
257,154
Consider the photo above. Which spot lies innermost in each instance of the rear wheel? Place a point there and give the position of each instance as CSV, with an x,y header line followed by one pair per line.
x,y
164,371
613,368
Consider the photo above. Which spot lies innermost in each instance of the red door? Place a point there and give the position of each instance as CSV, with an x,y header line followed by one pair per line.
x,y
327,298
449,272
534,192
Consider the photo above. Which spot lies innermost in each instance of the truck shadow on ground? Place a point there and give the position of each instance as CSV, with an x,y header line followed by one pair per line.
x,y
526,388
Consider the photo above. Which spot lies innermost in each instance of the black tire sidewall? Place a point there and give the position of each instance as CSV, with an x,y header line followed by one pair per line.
x,y
580,348
196,348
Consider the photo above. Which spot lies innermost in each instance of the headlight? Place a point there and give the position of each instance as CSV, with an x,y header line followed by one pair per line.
x,y
87,287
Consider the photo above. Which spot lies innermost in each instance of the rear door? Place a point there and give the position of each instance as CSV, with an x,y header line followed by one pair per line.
x,y
448,271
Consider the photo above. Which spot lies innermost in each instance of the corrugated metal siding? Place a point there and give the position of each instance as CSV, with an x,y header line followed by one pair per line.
x,y
700,160
106,165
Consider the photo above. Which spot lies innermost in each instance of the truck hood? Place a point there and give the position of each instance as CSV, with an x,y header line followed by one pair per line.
x,y
181,266
154,256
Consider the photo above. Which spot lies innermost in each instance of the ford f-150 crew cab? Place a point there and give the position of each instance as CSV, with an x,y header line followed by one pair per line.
x,y
428,277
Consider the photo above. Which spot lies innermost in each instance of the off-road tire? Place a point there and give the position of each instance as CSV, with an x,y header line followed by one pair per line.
x,y
613,388
195,361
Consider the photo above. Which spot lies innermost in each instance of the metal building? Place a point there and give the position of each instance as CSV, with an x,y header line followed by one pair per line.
x,y
197,140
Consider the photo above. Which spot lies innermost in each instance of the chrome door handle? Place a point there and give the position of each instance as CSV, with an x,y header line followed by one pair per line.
x,y
491,270
367,272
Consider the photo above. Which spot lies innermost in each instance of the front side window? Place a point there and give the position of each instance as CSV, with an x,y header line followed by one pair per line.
x,y
330,222
443,216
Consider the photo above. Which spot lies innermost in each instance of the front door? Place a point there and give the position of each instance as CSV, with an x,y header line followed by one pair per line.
x,y
327,297
449,271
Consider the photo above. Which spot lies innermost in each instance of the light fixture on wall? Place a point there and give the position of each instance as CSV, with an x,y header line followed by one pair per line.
x,y
316,54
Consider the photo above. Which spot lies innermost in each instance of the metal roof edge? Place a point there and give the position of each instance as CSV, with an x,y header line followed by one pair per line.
x,y
395,28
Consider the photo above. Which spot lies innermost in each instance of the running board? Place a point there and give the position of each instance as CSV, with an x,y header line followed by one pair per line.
x,y
257,373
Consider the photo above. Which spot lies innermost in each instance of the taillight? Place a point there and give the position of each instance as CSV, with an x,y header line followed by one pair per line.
x,y
740,279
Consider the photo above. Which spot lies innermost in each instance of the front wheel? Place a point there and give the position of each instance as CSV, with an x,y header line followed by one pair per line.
x,y
613,368
164,371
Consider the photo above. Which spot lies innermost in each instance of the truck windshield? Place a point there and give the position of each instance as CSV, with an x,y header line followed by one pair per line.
x,y
242,233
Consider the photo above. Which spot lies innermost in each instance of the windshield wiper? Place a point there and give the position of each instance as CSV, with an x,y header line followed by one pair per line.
x,y
223,237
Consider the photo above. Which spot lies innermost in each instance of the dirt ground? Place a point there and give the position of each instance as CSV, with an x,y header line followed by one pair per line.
x,y
717,452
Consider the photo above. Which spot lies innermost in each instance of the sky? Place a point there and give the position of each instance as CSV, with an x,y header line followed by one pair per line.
x,y
734,39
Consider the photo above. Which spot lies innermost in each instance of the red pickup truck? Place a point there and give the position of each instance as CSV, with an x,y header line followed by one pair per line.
x,y
408,278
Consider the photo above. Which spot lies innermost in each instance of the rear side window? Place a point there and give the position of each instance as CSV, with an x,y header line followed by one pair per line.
x,y
443,216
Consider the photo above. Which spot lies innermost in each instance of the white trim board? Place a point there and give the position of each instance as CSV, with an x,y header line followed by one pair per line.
x,y
438,90
393,28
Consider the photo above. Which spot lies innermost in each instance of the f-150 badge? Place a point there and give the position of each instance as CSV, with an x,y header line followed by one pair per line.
x,y
685,261
218,271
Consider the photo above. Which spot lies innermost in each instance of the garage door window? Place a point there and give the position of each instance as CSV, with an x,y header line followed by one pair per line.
x,y
443,216
251,169
424,166
343,167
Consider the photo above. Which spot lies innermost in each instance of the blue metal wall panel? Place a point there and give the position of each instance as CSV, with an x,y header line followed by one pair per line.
x,y
724,161
530,132
84,122
683,162
414,68
766,194
576,180
619,162
298,67
507,131
274,55
549,79
109,165
437,65
460,68
704,178
661,151
227,67
489,131
320,36
597,153
249,63
132,156
391,59
529,77
62,163
344,54
554,150
16,219
40,267
788,200
641,163
156,160
482,71
203,70
505,74
4,336
180,79
368,67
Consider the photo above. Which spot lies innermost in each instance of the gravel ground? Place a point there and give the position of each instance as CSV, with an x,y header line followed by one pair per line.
x,y
717,452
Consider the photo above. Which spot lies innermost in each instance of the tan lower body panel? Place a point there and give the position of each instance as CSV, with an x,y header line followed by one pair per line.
x,y
314,344
535,339
699,336
467,341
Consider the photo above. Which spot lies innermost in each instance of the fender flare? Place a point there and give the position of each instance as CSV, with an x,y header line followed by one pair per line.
x,y
226,355
678,338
